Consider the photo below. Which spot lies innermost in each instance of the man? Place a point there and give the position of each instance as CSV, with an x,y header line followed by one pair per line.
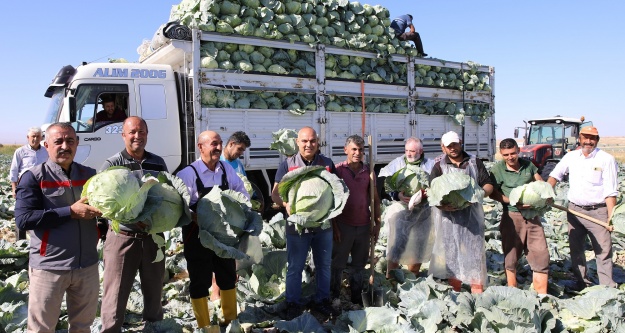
x,y
519,234
63,257
593,187
397,251
24,158
200,177
110,113
132,249
352,228
235,147
297,245
400,24
459,253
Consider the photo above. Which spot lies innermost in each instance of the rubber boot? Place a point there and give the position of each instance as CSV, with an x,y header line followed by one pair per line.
x,y
336,280
229,305
455,283
540,281
201,312
355,285
511,277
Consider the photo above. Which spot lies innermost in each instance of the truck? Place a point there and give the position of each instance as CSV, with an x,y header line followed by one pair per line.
x,y
547,140
166,89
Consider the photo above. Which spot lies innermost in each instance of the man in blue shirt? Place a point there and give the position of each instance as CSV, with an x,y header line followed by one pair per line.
x,y
234,148
400,24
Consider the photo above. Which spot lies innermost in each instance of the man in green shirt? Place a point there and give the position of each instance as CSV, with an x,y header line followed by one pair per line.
x,y
519,235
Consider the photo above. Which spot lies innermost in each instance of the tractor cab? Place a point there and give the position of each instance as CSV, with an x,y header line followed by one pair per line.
x,y
547,140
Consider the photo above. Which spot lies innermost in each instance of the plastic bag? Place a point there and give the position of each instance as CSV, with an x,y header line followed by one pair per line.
x,y
410,233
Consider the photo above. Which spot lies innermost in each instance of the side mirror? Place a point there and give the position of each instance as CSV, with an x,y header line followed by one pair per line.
x,y
72,109
516,133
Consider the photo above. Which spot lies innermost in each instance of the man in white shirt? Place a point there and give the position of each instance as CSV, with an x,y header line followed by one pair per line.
x,y
593,186
24,158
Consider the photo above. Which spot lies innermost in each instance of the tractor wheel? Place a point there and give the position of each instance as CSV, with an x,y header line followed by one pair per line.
x,y
546,170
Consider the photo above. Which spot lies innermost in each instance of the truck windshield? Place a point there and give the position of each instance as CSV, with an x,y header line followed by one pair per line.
x,y
90,99
54,109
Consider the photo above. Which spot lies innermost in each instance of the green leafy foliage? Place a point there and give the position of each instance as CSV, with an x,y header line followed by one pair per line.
x,y
456,189
535,194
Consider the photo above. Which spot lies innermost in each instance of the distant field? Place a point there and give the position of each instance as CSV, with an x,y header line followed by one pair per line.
x,y
8,149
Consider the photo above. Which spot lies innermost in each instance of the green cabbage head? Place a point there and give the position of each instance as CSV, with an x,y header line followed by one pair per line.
x,y
118,194
284,141
409,179
224,219
534,194
456,189
315,196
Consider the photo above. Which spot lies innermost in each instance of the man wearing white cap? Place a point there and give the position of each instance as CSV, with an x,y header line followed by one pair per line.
x,y
459,254
593,186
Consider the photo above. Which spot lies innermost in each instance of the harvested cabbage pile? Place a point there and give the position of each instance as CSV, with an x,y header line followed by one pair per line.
x,y
535,194
456,189
315,196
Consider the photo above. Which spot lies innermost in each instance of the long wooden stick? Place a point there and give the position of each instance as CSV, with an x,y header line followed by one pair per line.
x,y
372,208
584,216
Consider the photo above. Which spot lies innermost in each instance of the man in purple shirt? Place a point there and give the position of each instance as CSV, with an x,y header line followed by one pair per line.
x,y
352,229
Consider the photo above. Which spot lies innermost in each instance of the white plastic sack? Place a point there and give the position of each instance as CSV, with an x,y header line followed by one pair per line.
x,y
411,233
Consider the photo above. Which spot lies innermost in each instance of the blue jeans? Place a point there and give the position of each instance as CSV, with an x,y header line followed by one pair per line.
x,y
297,250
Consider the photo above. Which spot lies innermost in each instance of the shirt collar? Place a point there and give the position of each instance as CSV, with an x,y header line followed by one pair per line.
x,y
465,158
146,155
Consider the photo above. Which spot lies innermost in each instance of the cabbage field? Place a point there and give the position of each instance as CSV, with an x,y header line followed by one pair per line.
x,y
412,304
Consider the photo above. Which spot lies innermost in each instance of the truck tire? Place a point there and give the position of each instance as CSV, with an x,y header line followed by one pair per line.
x,y
546,170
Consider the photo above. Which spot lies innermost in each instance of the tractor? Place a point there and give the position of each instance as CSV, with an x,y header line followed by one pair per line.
x,y
547,140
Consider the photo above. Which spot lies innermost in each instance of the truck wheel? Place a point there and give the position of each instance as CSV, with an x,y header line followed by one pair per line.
x,y
544,173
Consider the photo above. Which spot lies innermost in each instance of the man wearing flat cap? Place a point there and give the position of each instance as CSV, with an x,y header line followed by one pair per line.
x,y
593,186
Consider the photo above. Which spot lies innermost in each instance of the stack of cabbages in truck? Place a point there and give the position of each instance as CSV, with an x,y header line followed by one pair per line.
x,y
309,56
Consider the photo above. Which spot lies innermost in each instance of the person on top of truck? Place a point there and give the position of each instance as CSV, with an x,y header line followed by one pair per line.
x,y
111,112
400,24
234,148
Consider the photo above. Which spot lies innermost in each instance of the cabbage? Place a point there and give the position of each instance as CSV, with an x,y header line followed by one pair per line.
x,y
284,141
225,218
118,194
409,179
315,196
456,189
535,194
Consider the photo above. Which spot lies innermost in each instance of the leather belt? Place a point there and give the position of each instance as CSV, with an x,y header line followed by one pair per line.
x,y
590,207
133,234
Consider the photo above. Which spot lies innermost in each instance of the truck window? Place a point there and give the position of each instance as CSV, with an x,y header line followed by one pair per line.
x,y
153,102
90,113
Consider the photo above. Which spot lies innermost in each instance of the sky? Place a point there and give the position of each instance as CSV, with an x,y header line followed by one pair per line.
x,y
550,57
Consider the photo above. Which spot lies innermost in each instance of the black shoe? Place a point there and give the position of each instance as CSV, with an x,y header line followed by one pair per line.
x,y
325,308
293,311
424,55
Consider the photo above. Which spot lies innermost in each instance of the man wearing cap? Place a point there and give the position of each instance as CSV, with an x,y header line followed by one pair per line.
x,y
593,186
459,254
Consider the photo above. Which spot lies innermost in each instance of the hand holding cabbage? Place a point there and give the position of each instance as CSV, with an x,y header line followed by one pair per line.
x,y
314,196
533,197
454,191
158,203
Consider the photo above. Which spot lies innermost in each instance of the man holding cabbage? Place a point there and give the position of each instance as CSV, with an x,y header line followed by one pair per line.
x,y
410,230
593,188
63,259
458,184
352,228
300,238
200,178
521,230
132,249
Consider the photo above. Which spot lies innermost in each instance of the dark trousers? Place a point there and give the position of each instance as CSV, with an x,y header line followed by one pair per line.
x,y
415,37
203,262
